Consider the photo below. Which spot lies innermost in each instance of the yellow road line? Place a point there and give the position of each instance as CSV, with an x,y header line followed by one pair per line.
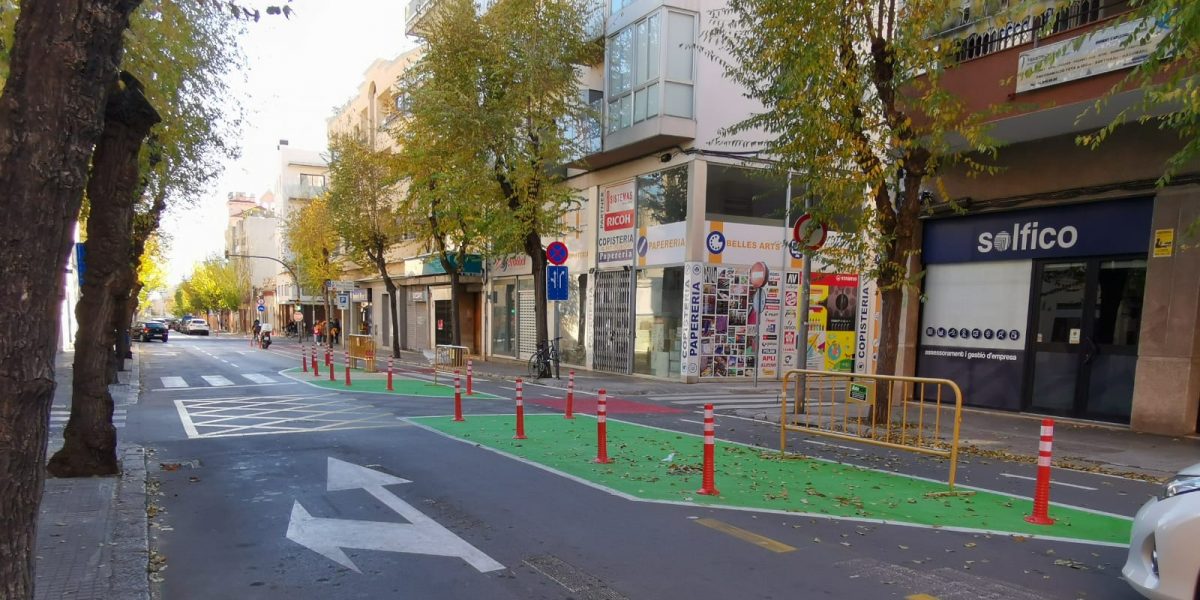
x,y
746,536
920,597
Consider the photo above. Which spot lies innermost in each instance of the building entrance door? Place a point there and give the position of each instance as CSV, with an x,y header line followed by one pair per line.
x,y
613,314
1084,324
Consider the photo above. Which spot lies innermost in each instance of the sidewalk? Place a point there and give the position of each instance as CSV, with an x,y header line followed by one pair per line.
x,y
92,533
985,433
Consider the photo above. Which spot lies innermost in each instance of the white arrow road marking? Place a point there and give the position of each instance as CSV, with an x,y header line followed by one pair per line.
x,y
422,535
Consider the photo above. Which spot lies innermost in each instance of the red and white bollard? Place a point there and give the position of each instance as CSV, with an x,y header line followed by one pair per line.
x,y
520,411
389,374
708,487
303,358
602,428
457,398
329,365
316,371
1041,495
570,412
346,357
470,376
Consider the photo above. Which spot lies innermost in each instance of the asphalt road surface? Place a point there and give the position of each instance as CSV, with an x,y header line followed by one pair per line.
x,y
268,487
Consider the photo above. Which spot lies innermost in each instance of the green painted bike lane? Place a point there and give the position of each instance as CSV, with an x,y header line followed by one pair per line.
x,y
660,465
376,383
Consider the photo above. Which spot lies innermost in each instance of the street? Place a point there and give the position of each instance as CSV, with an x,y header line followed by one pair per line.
x,y
264,486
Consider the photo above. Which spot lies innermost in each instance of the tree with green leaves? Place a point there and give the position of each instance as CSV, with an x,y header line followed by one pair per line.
x,y
515,66
363,199
312,241
1169,79
152,272
855,111
216,286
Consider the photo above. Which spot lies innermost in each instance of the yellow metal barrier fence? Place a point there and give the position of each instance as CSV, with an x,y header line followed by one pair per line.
x,y
448,358
362,347
844,405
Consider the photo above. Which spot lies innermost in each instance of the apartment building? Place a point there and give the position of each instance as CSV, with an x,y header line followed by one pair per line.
x,y
423,308
301,178
670,222
251,229
1069,287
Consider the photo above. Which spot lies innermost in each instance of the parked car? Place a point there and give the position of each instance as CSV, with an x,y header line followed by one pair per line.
x,y
197,326
1163,563
148,330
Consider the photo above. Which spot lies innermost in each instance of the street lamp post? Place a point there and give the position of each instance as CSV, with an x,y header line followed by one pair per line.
x,y
295,277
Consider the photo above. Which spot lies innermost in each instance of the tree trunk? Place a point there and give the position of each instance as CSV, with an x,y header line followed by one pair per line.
x,y
381,266
533,248
90,446
455,320
63,58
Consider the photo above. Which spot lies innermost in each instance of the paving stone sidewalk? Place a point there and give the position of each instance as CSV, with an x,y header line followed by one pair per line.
x,y
92,532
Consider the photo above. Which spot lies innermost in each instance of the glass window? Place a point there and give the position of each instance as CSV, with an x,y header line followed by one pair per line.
x,y
1118,317
634,70
504,320
678,102
680,35
312,180
662,197
658,321
745,193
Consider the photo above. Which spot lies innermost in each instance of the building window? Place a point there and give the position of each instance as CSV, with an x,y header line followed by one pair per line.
x,y
317,181
744,194
662,197
658,329
638,88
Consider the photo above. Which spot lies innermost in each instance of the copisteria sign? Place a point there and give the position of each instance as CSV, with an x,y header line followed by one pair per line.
x,y
1091,229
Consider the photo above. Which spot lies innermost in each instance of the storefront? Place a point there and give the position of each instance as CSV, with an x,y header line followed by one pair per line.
x,y
1039,309
511,305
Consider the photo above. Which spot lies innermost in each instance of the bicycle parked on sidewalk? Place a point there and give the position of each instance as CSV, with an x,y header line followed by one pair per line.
x,y
539,363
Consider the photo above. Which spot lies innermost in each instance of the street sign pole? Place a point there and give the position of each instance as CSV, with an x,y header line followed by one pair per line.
x,y
805,293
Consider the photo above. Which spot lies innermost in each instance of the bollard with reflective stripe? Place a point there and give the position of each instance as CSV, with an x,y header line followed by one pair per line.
x,y
329,364
602,428
346,357
470,376
1041,495
303,358
520,411
457,398
389,374
570,412
708,487
316,372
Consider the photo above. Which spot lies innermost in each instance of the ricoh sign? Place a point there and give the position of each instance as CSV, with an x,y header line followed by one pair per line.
x,y
1091,229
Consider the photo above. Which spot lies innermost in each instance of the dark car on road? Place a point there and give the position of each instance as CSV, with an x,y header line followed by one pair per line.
x,y
149,330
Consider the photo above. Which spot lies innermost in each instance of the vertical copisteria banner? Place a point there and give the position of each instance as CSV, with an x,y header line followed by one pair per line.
x,y
616,231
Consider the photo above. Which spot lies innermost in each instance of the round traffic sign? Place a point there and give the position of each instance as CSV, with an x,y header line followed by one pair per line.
x,y
809,233
556,253
297,316
758,274
262,308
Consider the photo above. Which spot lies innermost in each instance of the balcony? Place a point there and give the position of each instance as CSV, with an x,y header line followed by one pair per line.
x,y
303,191
1003,66
414,15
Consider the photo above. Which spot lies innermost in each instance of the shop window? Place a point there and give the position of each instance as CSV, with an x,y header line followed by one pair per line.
x,y
658,323
662,197
572,318
744,194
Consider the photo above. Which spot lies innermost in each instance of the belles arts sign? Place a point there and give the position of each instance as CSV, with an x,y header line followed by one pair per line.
x,y
615,242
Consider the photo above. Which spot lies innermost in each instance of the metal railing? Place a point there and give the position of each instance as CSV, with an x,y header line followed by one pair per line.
x,y
362,347
448,358
847,406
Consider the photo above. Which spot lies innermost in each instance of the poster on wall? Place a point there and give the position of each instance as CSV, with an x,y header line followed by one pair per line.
x,y
615,242
728,340
770,333
790,322
832,334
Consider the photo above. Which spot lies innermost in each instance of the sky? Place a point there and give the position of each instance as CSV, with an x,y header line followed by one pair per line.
x,y
298,71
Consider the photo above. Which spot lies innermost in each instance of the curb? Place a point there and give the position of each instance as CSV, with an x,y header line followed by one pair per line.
x,y
130,536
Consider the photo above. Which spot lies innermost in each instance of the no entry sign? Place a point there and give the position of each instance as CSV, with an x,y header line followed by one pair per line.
x,y
758,274
809,233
